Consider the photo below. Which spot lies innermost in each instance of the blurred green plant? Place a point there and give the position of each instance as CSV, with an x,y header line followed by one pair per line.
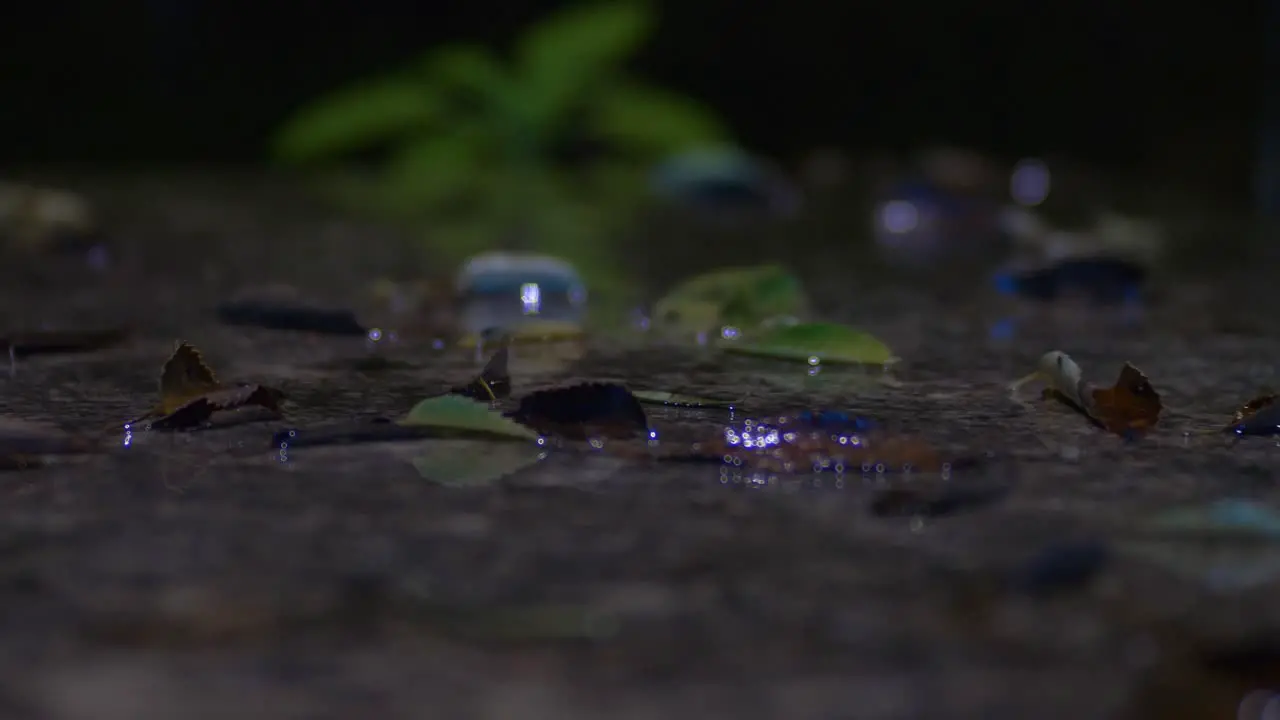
x,y
476,146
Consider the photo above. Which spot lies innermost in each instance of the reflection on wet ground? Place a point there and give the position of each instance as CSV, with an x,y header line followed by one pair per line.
x,y
208,574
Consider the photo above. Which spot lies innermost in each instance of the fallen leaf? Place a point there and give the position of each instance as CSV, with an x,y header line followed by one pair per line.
x,y
1062,376
671,399
455,413
202,409
814,343
469,463
48,342
744,297
494,381
1251,408
1129,408
184,377
190,394
1260,416
583,412
800,445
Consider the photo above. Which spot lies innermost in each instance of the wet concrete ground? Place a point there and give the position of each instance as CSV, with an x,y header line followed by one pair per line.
x,y
197,575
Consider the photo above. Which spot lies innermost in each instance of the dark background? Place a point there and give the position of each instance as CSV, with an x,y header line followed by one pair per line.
x,y
1162,87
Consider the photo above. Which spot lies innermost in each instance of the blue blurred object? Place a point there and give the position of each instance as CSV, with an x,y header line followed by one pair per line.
x,y
1003,329
1062,567
507,273
502,289
723,180
918,222
1103,280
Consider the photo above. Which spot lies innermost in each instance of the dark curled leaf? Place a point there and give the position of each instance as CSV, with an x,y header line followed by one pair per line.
x,y
288,316
26,344
201,409
905,502
1260,417
349,433
494,382
1061,568
583,411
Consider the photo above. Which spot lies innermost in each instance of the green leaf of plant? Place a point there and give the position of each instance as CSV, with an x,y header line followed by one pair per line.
x,y
356,118
474,71
435,169
463,463
653,122
744,296
661,397
828,342
453,412
561,58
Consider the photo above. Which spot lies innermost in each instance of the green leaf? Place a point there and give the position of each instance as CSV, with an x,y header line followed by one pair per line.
x,y
462,463
744,296
661,397
472,70
653,122
825,342
356,118
563,57
436,169
453,412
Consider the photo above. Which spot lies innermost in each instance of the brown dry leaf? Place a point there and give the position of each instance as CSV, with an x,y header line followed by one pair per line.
x,y
1129,407
1266,399
190,393
184,377
201,409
